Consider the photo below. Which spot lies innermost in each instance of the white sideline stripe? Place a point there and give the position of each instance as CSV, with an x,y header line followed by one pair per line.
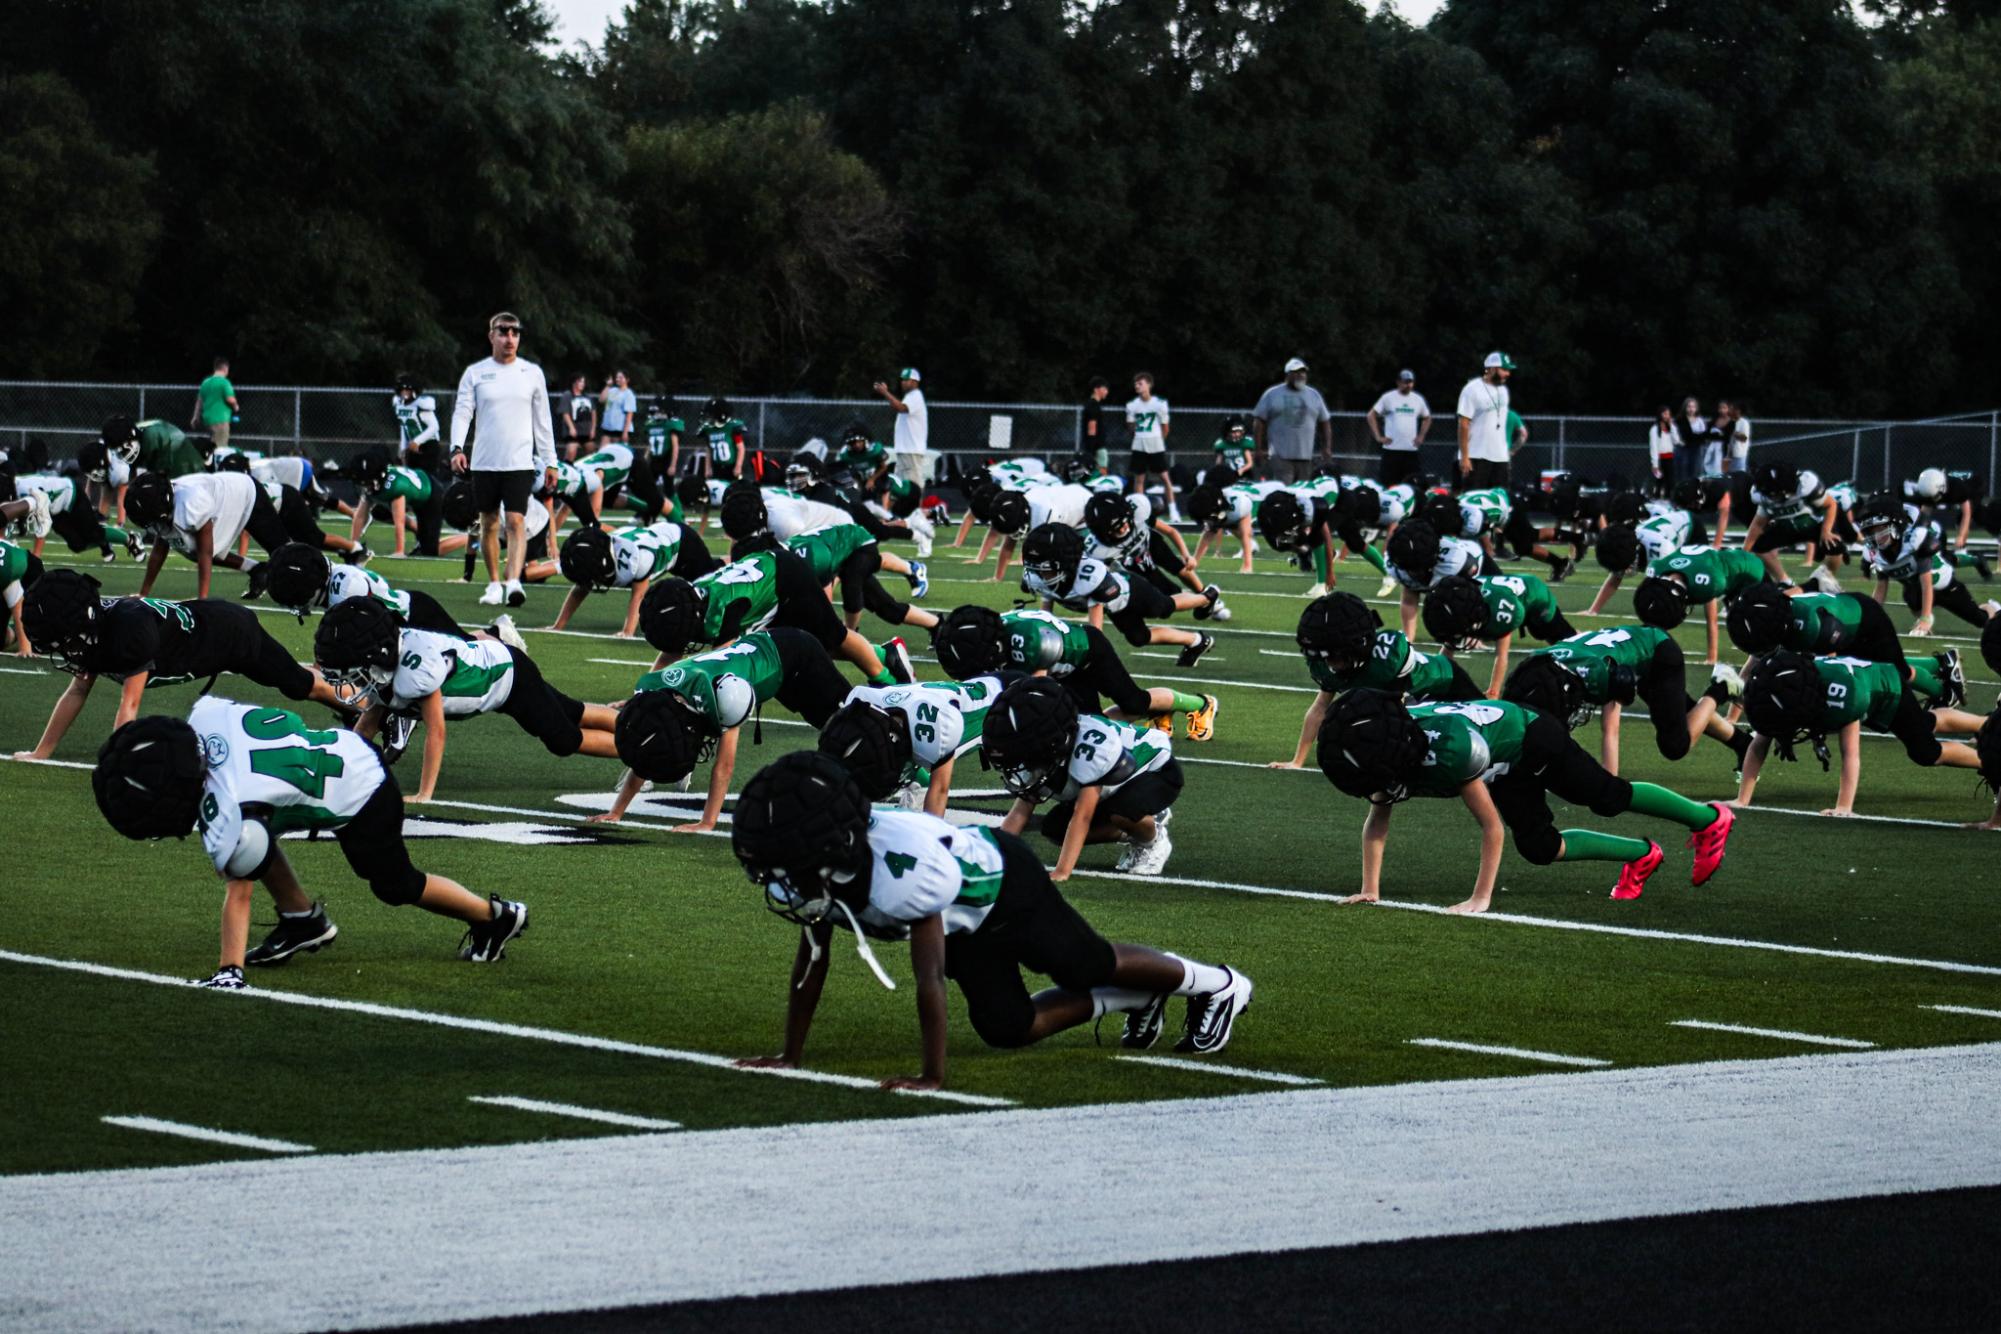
x,y
53,764
184,1131
1966,1009
575,1112
1230,1071
579,1219
497,1028
25,671
1785,1034
1547,1057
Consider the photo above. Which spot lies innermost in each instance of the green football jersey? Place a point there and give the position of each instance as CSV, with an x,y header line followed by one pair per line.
x,y
660,433
862,464
612,466
1234,454
1515,600
13,564
407,484
1493,502
1868,692
724,440
1594,653
164,447
1479,740
754,657
1393,666
828,547
1040,642
1822,622
752,580
1710,572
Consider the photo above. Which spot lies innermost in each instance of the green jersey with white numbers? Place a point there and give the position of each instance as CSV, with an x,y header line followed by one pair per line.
x,y
753,581
660,433
1868,692
1393,666
827,548
1480,740
1594,653
164,447
1710,572
1494,504
754,657
863,464
1234,454
1038,641
1514,601
724,441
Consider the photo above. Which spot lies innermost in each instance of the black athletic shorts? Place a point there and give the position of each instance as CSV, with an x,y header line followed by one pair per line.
x,y
1166,556
494,490
1031,926
1914,725
1144,463
266,528
1149,794
1553,763
543,711
427,613
1954,598
1665,690
373,844
1463,687
813,687
1146,602
1874,638
228,637
1104,676
692,559
1779,536
803,605
1485,473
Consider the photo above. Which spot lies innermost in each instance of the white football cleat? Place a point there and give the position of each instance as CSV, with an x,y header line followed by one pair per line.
x,y
1317,591
1151,858
39,520
1731,679
503,630
1387,588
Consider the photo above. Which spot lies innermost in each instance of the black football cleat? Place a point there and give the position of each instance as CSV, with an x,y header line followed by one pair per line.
x,y
293,934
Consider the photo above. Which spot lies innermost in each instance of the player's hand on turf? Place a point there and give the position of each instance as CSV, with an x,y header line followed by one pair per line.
x,y
622,634
420,799
1837,811
1923,627
603,817
765,1063
1356,898
697,827
26,756
1058,877
1285,764
227,978
1469,906
919,1085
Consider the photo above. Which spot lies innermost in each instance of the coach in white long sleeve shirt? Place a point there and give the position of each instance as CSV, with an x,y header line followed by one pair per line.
x,y
503,402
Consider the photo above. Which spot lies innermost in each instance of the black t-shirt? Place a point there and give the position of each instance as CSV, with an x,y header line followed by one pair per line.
x,y
1093,415
145,635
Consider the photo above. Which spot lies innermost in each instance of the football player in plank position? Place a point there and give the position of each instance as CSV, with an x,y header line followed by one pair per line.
x,y
304,580
1503,762
1790,698
904,741
1420,560
462,512
1478,515
620,468
1346,648
1018,512
976,906
1112,782
838,548
695,709
1232,508
146,642
765,588
1938,492
974,641
1895,547
1126,533
37,504
1848,625
244,775
1705,575
1461,613
1700,495
1302,521
1609,669
201,516
412,497
1054,566
155,445
1625,548
404,677
594,560
1793,507
20,570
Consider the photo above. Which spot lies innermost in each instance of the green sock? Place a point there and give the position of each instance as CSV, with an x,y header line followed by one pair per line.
x,y
882,678
1185,703
1320,563
1588,845
1374,557
1652,799
1926,678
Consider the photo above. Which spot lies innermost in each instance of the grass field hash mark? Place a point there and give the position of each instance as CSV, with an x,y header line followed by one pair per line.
x,y
1966,1009
1781,1034
1520,1053
574,1112
1229,1071
182,1130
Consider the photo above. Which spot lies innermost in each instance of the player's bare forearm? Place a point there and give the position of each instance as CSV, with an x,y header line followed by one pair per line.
x,y
131,694
927,961
719,784
236,903
156,558
571,601
1608,737
632,608
1309,729
434,745
1851,770
1500,673
1754,762
1016,818
1375,837
1081,815
1709,610
1493,839
68,705
621,802
940,791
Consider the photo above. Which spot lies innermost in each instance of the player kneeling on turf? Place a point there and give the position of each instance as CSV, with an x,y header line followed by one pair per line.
x,y
1374,748
1112,782
406,677
975,905
245,774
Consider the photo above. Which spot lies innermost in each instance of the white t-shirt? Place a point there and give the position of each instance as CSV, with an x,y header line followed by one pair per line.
x,y
1401,414
1062,504
1146,416
792,515
475,675
1486,406
290,790
224,498
1661,443
1740,440
511,406
913,427
61,491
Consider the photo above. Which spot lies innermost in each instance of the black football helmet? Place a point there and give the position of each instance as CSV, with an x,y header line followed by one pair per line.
x,y
148,779
1455,614
872,743
120,436
1414,548
1625,508
1284,522
60,614
1028,734
855,434
1883,520
298,576
801,834
1077,469
149,499
461,507
1443,513
717,411
1208,506
1007,512
744,515
1619,550
1776,481
1783,699
1109,518
970,641
1758,618
1660,602
1370,747
588,559
1338,629
1546,685
671,614
1052,553
370,469
662,737
356,644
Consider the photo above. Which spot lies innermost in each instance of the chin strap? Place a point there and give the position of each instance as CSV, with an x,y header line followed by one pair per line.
x,y
813,950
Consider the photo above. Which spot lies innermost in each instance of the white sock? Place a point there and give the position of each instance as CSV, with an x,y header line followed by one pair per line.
x,y
307,913
1199,979
1114,1000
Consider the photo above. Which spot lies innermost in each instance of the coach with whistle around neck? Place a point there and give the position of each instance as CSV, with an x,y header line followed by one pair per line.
x,y
504,402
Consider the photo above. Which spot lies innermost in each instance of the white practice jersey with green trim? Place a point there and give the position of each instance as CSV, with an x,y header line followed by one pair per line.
x,y
474,675
925,866
352,581
945,717
644,553
1112,754
1019,474
1664,534
266,765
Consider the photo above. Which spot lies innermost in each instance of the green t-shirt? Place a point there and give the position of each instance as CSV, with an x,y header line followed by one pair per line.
x,y
1482,740
754,657
1394,666
827,548
1040,642
1515,428
752,580
1593,653
1514,601
1234,454
164,447
1710,572
13,564
723,440
215,391
660,433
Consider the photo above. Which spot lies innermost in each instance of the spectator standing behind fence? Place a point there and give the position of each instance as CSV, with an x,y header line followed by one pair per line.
x,y
1483,425
1400,421
619,406
215,404
576,419
1147,414
509,400
1732,436
1663,443
912,441
1692,432
1091,428
1290,419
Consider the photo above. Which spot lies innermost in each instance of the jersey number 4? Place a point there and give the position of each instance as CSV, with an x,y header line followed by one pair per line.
x,y
304,767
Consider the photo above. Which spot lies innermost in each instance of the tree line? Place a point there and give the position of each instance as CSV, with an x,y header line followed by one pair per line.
x,y
1774,200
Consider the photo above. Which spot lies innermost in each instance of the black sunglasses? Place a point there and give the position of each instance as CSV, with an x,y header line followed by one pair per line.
x,y
506,329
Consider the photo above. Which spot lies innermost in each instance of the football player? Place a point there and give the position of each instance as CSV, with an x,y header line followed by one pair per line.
x,y
1479,515
154,445
1016,512
907,739
694,710
461,511
304,580
1461,613
1233,508
1793,507
201,516
1625,548
1700,495
975,905
594,560
244,775
1346,648
1054,566
405,677
411,496
1235,450
1895,547
1849,625
1111,781
1704,575
837,549
20,570
1939,492
1419,560
725,442
1126,533
1987,748
146,642
973,641
620,468
1609,669
1789,698
861,463
1376,748
418,435
37,504
1303,520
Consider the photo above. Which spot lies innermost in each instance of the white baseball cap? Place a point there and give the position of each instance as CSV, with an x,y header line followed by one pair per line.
x,y
909,373
1294,365
1499,361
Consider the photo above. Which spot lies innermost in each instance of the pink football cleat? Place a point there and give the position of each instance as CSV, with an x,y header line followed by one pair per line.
x,y
1633,875
1708,843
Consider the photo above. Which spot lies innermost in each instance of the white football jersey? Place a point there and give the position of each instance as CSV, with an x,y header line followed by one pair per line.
x,y
351,581
290,775
222,498
1664,534
1062,504
61,491
416,420
1112,754
924,866
1019,474
1245,497
1455,556
945,717
474,675
1096,583
792,515
644,553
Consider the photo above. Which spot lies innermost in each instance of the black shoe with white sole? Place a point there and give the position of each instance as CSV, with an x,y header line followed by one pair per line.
x,y
1211,1016
308,932
487,941
397,730
1192,654
1144,1024
1953,676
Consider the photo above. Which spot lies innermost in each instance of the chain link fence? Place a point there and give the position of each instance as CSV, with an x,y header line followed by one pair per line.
x,y
337,423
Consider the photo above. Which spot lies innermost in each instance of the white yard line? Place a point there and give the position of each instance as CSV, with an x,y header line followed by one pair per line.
x,y
1965,1009
1228,1071
26,671
624,1119
494,1028
185,1131
579,1219
1521,1053
1783,1034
